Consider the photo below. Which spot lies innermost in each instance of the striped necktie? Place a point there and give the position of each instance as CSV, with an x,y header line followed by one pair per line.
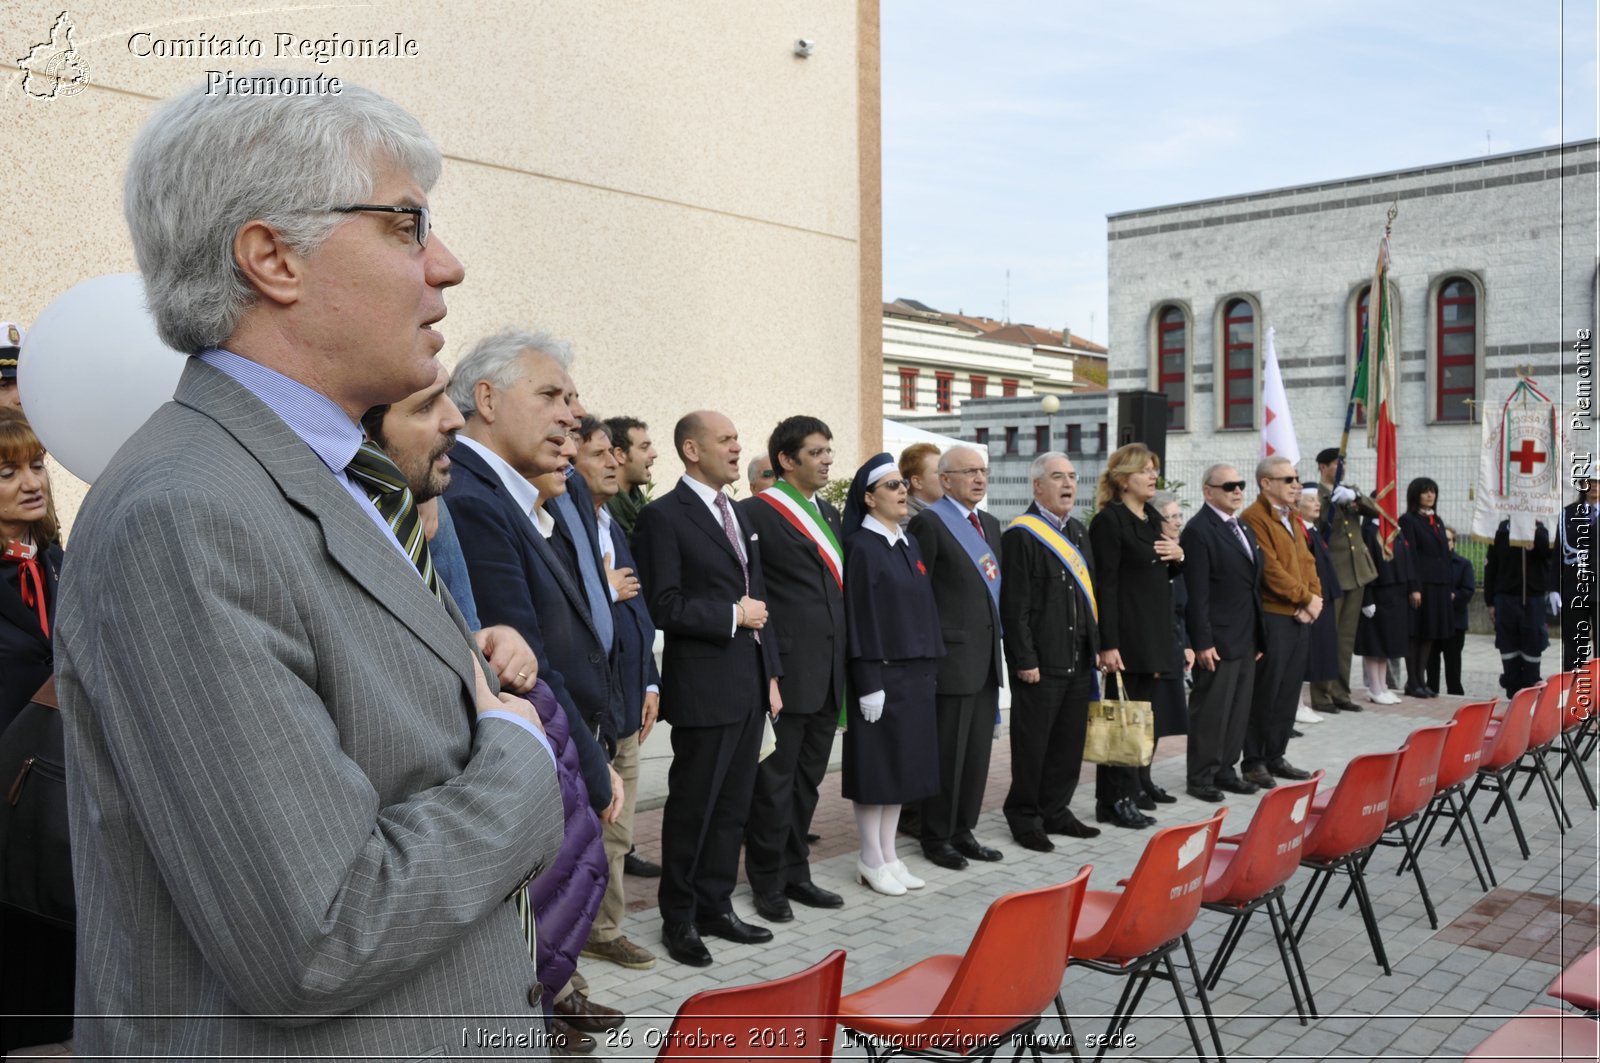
x,y
387,487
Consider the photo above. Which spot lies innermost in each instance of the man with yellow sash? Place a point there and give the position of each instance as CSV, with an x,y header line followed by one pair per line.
x,y
1048,612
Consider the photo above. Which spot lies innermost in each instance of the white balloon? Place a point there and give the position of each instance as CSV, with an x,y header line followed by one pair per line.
x,y
93,370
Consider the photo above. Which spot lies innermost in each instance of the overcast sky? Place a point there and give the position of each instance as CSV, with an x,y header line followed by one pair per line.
x,y
1011,129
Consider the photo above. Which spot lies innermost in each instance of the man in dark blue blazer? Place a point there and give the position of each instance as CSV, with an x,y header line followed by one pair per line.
x,y
517,396
1223,577
701,565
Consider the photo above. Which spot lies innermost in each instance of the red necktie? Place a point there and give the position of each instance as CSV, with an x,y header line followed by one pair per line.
x,y
977,526
31,580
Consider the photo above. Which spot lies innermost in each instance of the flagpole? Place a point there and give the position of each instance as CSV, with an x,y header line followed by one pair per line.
x,y
1361,362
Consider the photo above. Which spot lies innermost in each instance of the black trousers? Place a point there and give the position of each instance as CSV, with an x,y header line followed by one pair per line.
x,y
785,798
1219,713
1279,674
1048,720
1449,651
1112,784
1521,637
966,733
36,981
709,785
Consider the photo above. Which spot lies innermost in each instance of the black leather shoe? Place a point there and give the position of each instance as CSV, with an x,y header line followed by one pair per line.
x,y
730,927
1284,770
581,1013
1330,709
945,856
1035,840
1429,692
1145,801
1351,707
812,895
773,906
1149,821
1122,814
684,945
1297,734
639,867
1262,778
910,823
812,838
1072,827
1235,785
1414,691
973,849
1159,796
1206,793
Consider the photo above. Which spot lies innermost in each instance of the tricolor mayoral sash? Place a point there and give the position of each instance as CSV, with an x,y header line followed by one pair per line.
x,y
806,518
977,548
1069,555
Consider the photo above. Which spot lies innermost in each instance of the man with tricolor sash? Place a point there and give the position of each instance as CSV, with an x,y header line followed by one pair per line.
x,y
1052,637
961,547
804,567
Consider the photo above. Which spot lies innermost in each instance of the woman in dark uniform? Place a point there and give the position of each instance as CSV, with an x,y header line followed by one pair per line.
x,y
891,753
36,958
1134,563
1431,619
1384,628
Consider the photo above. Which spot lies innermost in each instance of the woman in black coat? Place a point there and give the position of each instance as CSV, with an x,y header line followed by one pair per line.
x,y
1431,617
1134,563
36,958
1383,631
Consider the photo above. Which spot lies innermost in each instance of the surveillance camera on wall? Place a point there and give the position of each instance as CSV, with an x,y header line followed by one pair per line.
x,y
803,47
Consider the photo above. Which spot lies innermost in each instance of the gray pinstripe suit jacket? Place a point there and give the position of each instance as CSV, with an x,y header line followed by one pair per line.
x,y
288,836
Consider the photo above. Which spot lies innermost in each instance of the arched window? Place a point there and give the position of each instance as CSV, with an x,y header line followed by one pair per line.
x,y
1456,349
1172,365
1237,365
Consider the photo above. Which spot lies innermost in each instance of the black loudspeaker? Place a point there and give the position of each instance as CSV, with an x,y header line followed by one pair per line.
x,y
1142,418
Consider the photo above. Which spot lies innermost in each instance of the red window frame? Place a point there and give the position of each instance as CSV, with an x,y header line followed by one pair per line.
x,y
1465,295
1172,365
908,389
1008,388
943,385
980,386
980,436
1238,413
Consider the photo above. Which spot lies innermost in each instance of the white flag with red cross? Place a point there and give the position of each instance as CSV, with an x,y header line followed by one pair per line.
x,y
1519,471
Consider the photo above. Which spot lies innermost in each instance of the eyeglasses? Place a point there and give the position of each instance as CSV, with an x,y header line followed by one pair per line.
x,y
420,213
891,485
1228,485
1283,479
979,471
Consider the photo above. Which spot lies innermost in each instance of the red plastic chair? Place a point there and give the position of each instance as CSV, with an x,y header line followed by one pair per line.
x,y
971,1005
1543,1034
1351,822
1577,710
1544,732
1579,984
1503,745
1415,779
1134,931
1463,752
1248,873
786,1018
1585,705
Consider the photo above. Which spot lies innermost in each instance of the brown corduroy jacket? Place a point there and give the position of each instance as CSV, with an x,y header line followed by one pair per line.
x,y
1289,581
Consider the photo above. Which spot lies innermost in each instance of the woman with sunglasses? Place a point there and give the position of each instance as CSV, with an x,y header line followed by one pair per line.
x,y
891,753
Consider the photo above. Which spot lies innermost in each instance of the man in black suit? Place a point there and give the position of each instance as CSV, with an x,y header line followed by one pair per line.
x,y
518,398
701,565
1051,641
961,548
803,565
1223,578
1580,553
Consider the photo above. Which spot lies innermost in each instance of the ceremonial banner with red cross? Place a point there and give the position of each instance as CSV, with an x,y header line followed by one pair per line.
x,y
1519,472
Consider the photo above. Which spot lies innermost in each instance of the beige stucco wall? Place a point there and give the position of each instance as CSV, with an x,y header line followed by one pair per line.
x,y
665,184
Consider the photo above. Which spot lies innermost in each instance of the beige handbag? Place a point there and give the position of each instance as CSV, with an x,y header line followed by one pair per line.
x,y
1121,733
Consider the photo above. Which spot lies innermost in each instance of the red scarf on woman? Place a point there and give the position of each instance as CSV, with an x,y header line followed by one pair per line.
x,y
26,555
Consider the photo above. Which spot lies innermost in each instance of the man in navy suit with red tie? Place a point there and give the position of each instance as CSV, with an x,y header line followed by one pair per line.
x,y
701,565
1222,574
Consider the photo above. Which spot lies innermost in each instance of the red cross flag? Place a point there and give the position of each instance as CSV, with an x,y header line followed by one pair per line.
x,y
1519,473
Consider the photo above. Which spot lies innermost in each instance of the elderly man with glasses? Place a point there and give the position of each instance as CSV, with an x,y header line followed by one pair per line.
x,y
1291,599
1226,631
961,547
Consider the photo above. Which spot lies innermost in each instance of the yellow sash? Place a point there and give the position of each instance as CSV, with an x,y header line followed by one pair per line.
x,y
1065,552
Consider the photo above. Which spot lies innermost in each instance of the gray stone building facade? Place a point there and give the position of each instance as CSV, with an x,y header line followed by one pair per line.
x,y
1492,269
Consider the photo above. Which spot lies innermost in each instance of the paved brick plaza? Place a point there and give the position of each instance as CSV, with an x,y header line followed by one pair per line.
x,y
1492,955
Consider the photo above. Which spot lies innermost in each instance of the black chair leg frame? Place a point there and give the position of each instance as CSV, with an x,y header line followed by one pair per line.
x,y
1155,964
1288,950
1451,803
1535,764
1498,783
1321,875
1408,858
1569,757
